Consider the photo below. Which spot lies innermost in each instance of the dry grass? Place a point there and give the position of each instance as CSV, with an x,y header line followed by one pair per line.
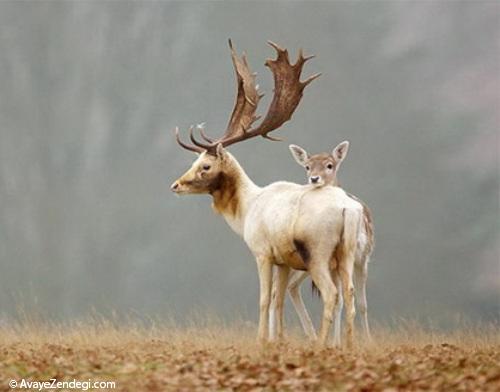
x,y
212,356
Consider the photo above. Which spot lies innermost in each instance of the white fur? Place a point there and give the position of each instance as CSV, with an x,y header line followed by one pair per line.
x,y
270,218
360,269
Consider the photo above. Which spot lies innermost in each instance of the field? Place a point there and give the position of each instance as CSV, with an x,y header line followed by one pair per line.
x,y
214,356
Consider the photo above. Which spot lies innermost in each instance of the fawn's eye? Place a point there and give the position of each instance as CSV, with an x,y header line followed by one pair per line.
x,y
329,166
206,167
308,168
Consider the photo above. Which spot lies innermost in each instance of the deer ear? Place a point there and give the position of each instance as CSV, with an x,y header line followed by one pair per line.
x,y
340,152
219,151
299,154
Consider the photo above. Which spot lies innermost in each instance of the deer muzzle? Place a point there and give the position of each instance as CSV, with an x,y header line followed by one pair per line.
x,y
316,180
174,187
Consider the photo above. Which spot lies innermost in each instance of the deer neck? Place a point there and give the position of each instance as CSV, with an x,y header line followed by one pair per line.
x,y
233,193
335,182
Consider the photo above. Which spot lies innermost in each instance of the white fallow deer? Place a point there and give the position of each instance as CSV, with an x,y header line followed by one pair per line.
x,y
322,171
287,225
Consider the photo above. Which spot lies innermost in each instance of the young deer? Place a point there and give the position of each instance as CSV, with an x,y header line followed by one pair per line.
x,y
279,222
322,171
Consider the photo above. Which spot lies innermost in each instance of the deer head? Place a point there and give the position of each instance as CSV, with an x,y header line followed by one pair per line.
x,y
204,176
321,168
205,173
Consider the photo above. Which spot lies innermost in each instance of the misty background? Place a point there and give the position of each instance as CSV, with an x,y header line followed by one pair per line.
x,y
91,91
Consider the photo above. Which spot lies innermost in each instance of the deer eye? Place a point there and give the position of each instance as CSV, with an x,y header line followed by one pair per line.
x,y
206,167
329,166
308,168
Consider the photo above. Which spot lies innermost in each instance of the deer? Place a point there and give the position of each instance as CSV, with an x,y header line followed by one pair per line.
x,y
321,170
279,222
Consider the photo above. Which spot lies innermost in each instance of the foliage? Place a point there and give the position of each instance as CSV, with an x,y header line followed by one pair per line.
x,y
217,357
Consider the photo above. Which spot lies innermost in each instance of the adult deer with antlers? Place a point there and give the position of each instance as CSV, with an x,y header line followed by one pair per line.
x,y
284,224
321,170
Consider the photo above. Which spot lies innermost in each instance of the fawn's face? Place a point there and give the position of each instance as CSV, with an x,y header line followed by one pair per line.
x,y
321,168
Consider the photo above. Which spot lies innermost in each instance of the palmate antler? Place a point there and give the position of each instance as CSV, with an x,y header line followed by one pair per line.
x,y
288,91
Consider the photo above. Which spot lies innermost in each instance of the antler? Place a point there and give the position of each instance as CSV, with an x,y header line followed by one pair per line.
x,y
288,90
247,98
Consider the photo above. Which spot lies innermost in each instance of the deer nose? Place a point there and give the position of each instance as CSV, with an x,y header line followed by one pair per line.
x,y
174,186
314,180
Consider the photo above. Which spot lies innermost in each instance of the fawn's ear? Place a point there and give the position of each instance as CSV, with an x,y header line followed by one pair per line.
x,y
339,153
299,154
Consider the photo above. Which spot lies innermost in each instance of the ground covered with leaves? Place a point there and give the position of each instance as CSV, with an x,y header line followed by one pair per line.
x,y
226,358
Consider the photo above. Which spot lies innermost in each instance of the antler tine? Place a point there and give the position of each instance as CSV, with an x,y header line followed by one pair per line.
x,y
301,60
184,145
196,142
280,51
307,58
311,78
272,138
204,135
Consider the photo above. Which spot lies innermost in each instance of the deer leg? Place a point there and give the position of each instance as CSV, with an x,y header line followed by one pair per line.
x,y
296,279
337,313
272,309
321,276
265,269
361,275
282,281
346,272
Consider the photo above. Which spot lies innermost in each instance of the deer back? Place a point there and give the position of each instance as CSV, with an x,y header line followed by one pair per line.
x,y
287,217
